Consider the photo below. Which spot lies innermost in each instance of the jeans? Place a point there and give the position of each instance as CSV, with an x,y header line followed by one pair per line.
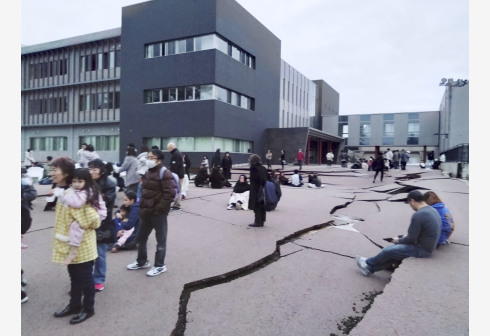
x,y
379,171
100,264
300,163
394,253
147,224
82,284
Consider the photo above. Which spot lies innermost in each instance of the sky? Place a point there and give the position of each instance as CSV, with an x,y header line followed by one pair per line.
x,y
381,56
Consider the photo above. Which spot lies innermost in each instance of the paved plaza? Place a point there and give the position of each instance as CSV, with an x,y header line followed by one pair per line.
x,y
295,276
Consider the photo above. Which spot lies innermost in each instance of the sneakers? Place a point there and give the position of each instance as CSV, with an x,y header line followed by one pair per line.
x,y
114,248
230,207
238,205
135,265
156,270
99,287
23,296
361,262
174,208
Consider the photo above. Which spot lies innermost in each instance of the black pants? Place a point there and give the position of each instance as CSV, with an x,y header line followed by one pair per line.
x,y
378,171
259,211
82,284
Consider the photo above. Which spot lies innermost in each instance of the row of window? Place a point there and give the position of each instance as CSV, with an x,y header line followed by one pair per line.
x,y
198,92
100,61
52,143
198,43
48,105
202,144
60,143
97,101
101,142
48,69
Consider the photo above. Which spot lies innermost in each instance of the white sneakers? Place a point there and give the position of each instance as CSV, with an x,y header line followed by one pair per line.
x,y
152,272
156,270
361,262
135,265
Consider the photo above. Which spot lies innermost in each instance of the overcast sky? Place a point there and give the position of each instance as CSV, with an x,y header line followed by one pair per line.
x,y
380,55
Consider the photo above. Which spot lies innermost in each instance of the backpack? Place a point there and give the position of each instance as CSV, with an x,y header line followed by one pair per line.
x,y
176,181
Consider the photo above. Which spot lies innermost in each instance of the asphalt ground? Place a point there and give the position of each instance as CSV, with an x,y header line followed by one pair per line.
x,y
295,276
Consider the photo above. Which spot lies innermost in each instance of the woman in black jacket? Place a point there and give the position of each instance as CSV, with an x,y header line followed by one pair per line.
x,y
106,233
256,201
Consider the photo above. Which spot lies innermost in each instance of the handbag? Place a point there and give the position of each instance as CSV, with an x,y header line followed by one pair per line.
x,y
103,234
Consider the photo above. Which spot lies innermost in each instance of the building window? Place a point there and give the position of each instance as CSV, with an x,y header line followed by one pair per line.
x,y
413,133
365,130
56,143
198,92
202,144
101,142
199,43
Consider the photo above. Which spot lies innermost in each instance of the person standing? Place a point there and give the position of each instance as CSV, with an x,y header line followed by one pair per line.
x,y
227,164
268,159
80,270
256,201
28,194
419,242
142,160
157,193
379,166
396,159
106,233
283,158
130,166
300,157
330,157
216,161
205,164
177,167
389,157
404,159
29,160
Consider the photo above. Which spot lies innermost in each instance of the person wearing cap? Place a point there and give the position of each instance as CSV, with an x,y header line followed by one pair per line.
x,y
419,242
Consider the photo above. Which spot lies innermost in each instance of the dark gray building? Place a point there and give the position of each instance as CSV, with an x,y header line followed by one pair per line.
x,y
203,74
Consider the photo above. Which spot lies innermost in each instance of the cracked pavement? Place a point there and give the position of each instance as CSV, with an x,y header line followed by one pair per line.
x,y
295,276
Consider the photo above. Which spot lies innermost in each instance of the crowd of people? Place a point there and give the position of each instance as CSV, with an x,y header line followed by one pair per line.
x,y
86,227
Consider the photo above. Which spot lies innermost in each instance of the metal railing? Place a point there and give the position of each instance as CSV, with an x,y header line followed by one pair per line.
x,y
459,153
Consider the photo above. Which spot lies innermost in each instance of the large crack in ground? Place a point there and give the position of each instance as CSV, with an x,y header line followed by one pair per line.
x,y
347,323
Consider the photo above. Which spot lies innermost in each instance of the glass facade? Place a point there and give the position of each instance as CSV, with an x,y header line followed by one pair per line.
x,y
199,43
202,144
198,92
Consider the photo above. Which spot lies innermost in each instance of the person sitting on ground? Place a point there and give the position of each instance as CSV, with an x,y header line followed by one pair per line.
x,y
419,242
127,230
46,179
202,178
447,228
282,179
240,194
296,179
314,181
273,193
217,179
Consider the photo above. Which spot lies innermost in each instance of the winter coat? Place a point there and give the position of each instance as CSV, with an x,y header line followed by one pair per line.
x,y
273,194
177,163
258,177
216,162
87,156
130,166
379,163
156,193
107,188
133,222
